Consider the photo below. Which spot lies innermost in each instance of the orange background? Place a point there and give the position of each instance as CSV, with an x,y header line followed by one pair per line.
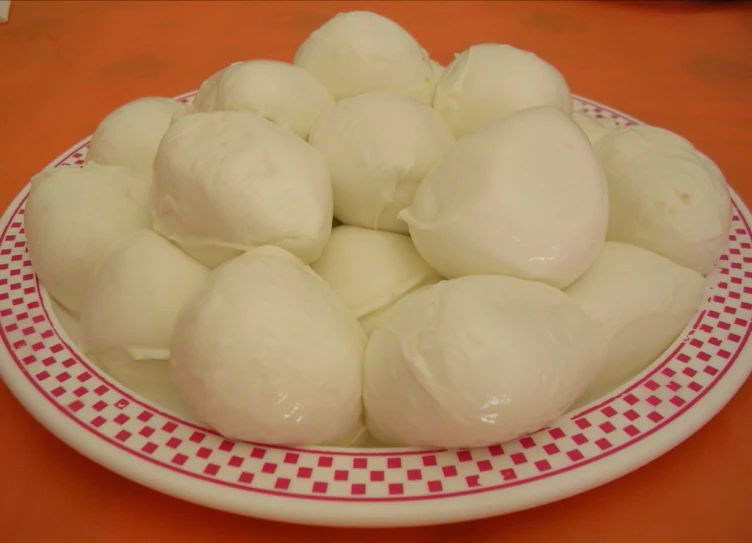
x,y
685,66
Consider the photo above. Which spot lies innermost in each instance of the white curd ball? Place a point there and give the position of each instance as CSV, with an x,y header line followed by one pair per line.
x,y
490,80
359,51
595,129
280,92
378,147
372,270
524,196
266,352
475,361
130,135
72,219
228,181
642,302
135,296
665,196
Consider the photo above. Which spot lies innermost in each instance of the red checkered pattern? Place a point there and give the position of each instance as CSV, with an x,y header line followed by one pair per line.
x,y
664,391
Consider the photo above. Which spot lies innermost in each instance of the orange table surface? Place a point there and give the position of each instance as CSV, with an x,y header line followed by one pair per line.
x,y
685,66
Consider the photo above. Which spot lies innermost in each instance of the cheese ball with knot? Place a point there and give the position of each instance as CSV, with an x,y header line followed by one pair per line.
x,y
280,92
267,353
73,218
489,80
359,51
229,181
478,360
378,147
666,196
130,135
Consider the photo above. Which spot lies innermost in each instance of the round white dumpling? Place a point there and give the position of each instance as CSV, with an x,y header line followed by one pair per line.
x,y
595,129
130,135
477,360
228,181
378,147
266,352
372,270
359,51
135,296
490,80
665,196
642,302
280,92
525,197
72,219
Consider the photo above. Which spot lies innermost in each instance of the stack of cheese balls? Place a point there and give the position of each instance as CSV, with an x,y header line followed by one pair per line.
x,y
497,260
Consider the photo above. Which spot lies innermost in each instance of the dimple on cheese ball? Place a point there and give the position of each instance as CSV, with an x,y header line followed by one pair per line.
x,y
359,51
282,93
73,218
524,196
372,270
130,135
135,296
378,147
666,196
477,360
488,81
642,302
229,181
266,352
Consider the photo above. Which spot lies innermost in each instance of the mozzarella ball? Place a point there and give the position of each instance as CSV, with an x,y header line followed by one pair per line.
x,y
595,129
489,80
228,181
525,197
372,270
666,196
67,322
130,135
134,298
438,69
73,217
477,360
282,93
378,147
359,51
642,302
267,353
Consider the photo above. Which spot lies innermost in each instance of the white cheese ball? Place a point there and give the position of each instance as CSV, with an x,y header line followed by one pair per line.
x,y
490,80
666,196
267,353
595,129
280,92
130,135
372,270
525,197
378,147
135,296
642,302
477,360
72,219
359,51
228,181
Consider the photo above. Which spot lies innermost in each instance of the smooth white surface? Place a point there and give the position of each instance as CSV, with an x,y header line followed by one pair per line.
x,y
235,362
359,51
666,196
372,270
378,147
595,129
4,10
524,196
489,80
73,218
228,181
280,92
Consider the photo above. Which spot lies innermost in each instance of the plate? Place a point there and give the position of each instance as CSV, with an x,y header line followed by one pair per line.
x,y
585,448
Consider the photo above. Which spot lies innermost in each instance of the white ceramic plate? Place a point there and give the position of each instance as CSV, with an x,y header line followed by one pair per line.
x,y
125,433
